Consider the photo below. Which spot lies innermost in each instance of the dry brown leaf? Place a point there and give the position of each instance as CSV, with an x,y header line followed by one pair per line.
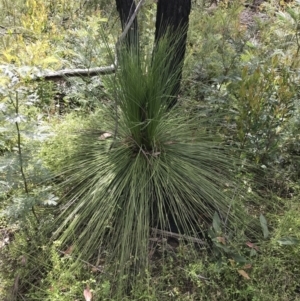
x,y
69,250
244,274
221,240
94,270
252,246
87,294
97,269
247,266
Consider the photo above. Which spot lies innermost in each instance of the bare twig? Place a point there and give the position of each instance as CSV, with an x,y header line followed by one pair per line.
x,y
16,106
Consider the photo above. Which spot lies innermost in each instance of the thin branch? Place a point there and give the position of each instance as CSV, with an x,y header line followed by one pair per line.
x,y
19,145
20,153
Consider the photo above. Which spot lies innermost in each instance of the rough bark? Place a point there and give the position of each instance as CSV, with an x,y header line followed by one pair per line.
x,y
173,17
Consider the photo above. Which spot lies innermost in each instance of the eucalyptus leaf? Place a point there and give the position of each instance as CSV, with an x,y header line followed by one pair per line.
x,y
238,258
288,241
222,247
253,252
264,226
217,223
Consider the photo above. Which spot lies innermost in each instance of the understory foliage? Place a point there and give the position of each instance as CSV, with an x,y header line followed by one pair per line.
x,y
96,172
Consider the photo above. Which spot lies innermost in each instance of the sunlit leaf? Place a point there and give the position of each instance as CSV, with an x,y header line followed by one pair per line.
x,y
105,135
244,274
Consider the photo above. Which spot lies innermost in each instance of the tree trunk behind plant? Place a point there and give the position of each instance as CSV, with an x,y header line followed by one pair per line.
x,y
125,9
173,17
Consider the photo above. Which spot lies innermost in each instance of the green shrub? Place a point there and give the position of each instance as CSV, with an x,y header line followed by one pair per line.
x,y
61,144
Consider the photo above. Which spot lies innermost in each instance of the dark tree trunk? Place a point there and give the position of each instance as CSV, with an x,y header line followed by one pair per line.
x,y
125,9
173,17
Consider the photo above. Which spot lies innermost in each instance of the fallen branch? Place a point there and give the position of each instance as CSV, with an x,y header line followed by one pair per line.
x,y
58,75
179,236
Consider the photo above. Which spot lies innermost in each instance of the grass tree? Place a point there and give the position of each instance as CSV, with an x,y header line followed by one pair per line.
x,y
140,166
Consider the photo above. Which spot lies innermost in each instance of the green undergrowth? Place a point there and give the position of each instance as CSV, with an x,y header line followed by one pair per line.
x,y
50,272
61,143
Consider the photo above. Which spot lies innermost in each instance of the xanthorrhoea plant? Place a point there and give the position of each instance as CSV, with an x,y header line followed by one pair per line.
x,y
143,167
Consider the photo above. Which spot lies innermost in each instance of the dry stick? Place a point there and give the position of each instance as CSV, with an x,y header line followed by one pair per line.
x,y
19,144
57,75
179,236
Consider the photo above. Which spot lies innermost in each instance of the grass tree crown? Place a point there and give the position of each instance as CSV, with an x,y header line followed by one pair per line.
x,y
141,166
